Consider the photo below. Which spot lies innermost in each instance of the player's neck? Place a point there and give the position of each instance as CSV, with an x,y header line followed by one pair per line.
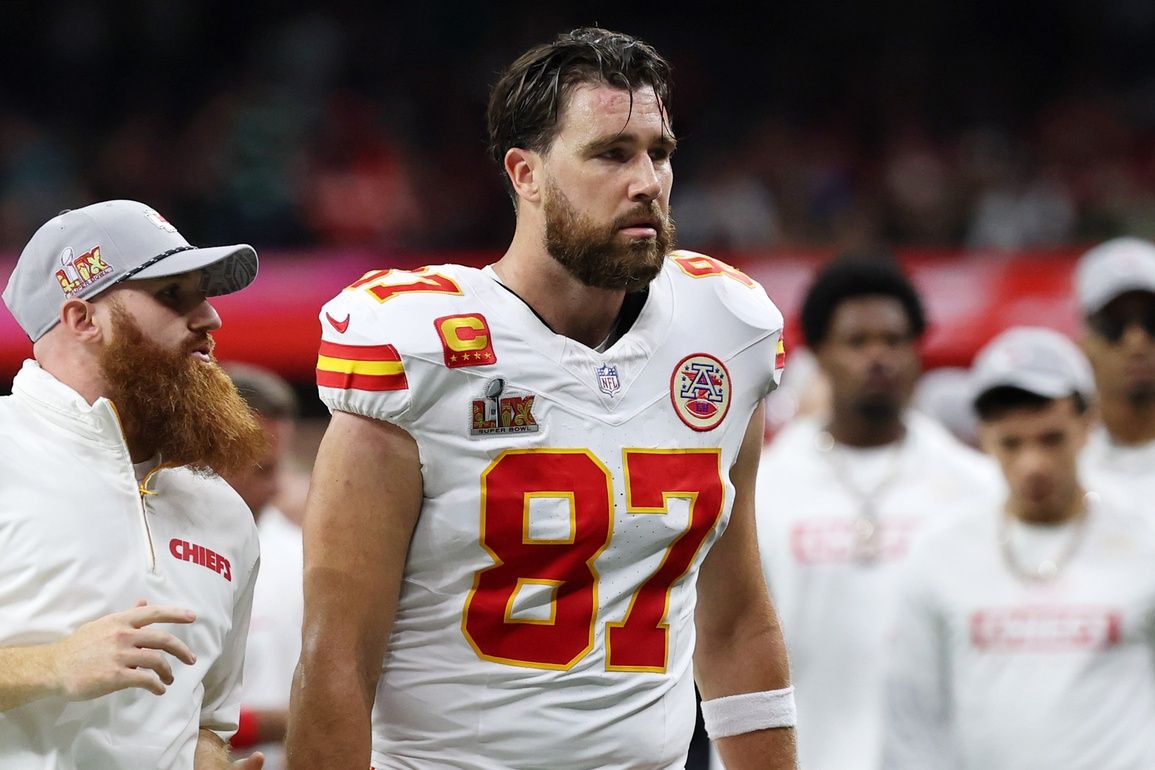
x,y
852,429
74,366
1128,423
567,306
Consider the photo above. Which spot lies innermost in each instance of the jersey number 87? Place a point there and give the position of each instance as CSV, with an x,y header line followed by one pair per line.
x,y
566,566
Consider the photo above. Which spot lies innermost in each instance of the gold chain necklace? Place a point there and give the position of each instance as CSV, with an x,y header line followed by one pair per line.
x,y
867,527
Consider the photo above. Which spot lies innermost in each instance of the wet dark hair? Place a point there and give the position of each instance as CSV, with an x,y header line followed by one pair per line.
x,y
997,402
526,103
851,277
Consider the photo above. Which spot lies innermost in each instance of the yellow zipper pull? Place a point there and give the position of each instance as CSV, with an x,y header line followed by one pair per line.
x,y
144,490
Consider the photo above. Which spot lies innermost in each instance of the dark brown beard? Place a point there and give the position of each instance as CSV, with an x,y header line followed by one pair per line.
x,y
592,253
188,410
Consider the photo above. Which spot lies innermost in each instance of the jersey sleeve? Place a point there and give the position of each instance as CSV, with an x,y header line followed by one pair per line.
x,y
753,316
359,366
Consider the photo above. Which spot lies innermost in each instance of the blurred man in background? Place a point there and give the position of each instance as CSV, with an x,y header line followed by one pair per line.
x,y
1115,283
1026,630
531,524
278,606
109,446
842,497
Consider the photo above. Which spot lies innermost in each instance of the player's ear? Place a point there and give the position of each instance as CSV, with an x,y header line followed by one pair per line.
x,y
524,168
79,318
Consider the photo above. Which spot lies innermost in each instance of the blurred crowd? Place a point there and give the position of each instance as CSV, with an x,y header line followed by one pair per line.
x,y
991,126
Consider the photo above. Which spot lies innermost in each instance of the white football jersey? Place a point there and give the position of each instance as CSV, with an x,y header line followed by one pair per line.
x,y
546,617
993,671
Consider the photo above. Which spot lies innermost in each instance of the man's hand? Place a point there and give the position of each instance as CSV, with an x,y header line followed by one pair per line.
x,y
212,753
253,762
119,651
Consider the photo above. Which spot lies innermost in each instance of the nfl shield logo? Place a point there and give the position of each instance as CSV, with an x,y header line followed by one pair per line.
x,y
608,381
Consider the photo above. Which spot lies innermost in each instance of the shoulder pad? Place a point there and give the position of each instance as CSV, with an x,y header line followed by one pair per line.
x,y
738,293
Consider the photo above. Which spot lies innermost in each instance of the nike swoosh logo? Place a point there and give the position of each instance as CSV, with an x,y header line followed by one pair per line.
x,y
340,326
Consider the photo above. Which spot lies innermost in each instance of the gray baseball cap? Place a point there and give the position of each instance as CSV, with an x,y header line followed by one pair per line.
x,y
1112,268
80,253
1037,360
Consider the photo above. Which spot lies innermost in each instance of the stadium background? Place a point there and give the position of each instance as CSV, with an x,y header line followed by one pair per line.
x,y
985,143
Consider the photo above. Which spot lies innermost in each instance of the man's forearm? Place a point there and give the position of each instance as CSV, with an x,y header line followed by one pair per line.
x,y
754,663
750,662
26,674
329,721
772,749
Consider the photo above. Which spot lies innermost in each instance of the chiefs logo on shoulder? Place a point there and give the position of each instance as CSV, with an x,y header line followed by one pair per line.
x,y
700,391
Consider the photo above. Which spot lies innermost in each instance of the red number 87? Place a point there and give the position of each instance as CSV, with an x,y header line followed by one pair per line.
x,y
566,566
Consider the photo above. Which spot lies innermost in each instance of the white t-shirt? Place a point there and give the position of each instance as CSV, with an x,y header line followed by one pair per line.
x,y
993,671
275,631
546,615
1126,472
835,603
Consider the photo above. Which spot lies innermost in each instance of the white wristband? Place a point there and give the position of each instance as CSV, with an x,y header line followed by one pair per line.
x,y
745,713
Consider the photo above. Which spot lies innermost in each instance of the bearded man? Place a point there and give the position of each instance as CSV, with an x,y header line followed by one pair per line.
x,y
531,524
128,568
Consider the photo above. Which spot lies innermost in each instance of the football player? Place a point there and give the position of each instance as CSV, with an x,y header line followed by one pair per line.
x,y
531,521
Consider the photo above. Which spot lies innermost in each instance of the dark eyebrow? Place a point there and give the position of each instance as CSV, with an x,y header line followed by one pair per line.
x,y
667,142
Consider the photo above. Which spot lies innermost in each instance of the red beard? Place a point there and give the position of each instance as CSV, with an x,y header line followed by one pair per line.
x,y
188,410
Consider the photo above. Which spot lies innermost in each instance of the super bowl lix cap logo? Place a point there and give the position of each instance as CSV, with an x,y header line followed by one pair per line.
x,y
78,273
700,391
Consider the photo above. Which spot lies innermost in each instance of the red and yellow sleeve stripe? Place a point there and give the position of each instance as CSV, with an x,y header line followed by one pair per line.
x,y
360,367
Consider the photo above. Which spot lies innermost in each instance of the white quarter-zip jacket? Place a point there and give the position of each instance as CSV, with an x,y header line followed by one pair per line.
x,y
81,538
